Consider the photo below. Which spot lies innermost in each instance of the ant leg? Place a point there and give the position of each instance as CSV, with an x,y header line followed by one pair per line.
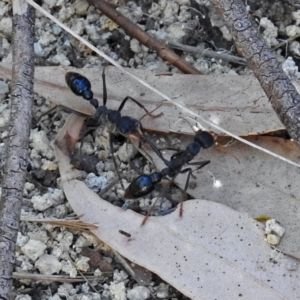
x,y
159,196
154,148
111,138
139,104
104,87
201,164
49,111
189,170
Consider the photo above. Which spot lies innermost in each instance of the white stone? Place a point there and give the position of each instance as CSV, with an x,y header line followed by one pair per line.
x,y
66,289
22,240
6,26
97,273
66,239
46,39
126,151
273,227
296,16
120,276
290,69
95,183
68,268
135,46
79,26
295,48
41,144
48,264
53,197
138,293
81,7
60,59
226,33
82,264
270,33
29,187
175,31
273,239
66,13
162,291
82,242
49,165
118,291
50,3
33,249
292,30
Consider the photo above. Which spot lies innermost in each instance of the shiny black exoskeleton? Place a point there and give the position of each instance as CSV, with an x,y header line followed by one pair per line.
x,y
123,125
144,184
79,85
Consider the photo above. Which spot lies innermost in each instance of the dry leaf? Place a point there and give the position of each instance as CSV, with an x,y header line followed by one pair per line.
x,y
236,103
251,181
213,252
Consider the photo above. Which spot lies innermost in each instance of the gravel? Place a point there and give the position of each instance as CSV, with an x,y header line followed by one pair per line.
x,y
47,249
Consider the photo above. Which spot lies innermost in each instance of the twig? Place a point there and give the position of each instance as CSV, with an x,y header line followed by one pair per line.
x,y
57,278
133,30
209,53
282,94
17,141
286,41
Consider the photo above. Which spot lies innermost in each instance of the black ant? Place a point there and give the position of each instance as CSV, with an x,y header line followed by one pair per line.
x,y
124,125
144,184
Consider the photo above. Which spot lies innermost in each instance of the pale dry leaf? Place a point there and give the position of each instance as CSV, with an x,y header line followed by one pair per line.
x,y
251,181
236,103
211,243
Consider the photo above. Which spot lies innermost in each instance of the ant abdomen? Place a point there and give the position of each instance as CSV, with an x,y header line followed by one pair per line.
x,y
79,85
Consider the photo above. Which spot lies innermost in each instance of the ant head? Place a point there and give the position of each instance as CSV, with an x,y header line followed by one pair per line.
x,y
204,138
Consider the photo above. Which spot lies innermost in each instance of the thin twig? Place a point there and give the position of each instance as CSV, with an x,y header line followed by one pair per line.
x,y
15,169
285,42
58,278
208,53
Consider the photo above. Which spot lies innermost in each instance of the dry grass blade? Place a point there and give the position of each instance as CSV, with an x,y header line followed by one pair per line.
x,y
73,224
57,278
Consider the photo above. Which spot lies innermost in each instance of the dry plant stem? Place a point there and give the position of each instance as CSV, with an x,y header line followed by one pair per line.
x,y
17,142
57,278
133,30
208,53
283,96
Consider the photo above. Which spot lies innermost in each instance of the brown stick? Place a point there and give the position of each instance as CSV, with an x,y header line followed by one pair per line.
x,y
17,142
277,86
133,30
